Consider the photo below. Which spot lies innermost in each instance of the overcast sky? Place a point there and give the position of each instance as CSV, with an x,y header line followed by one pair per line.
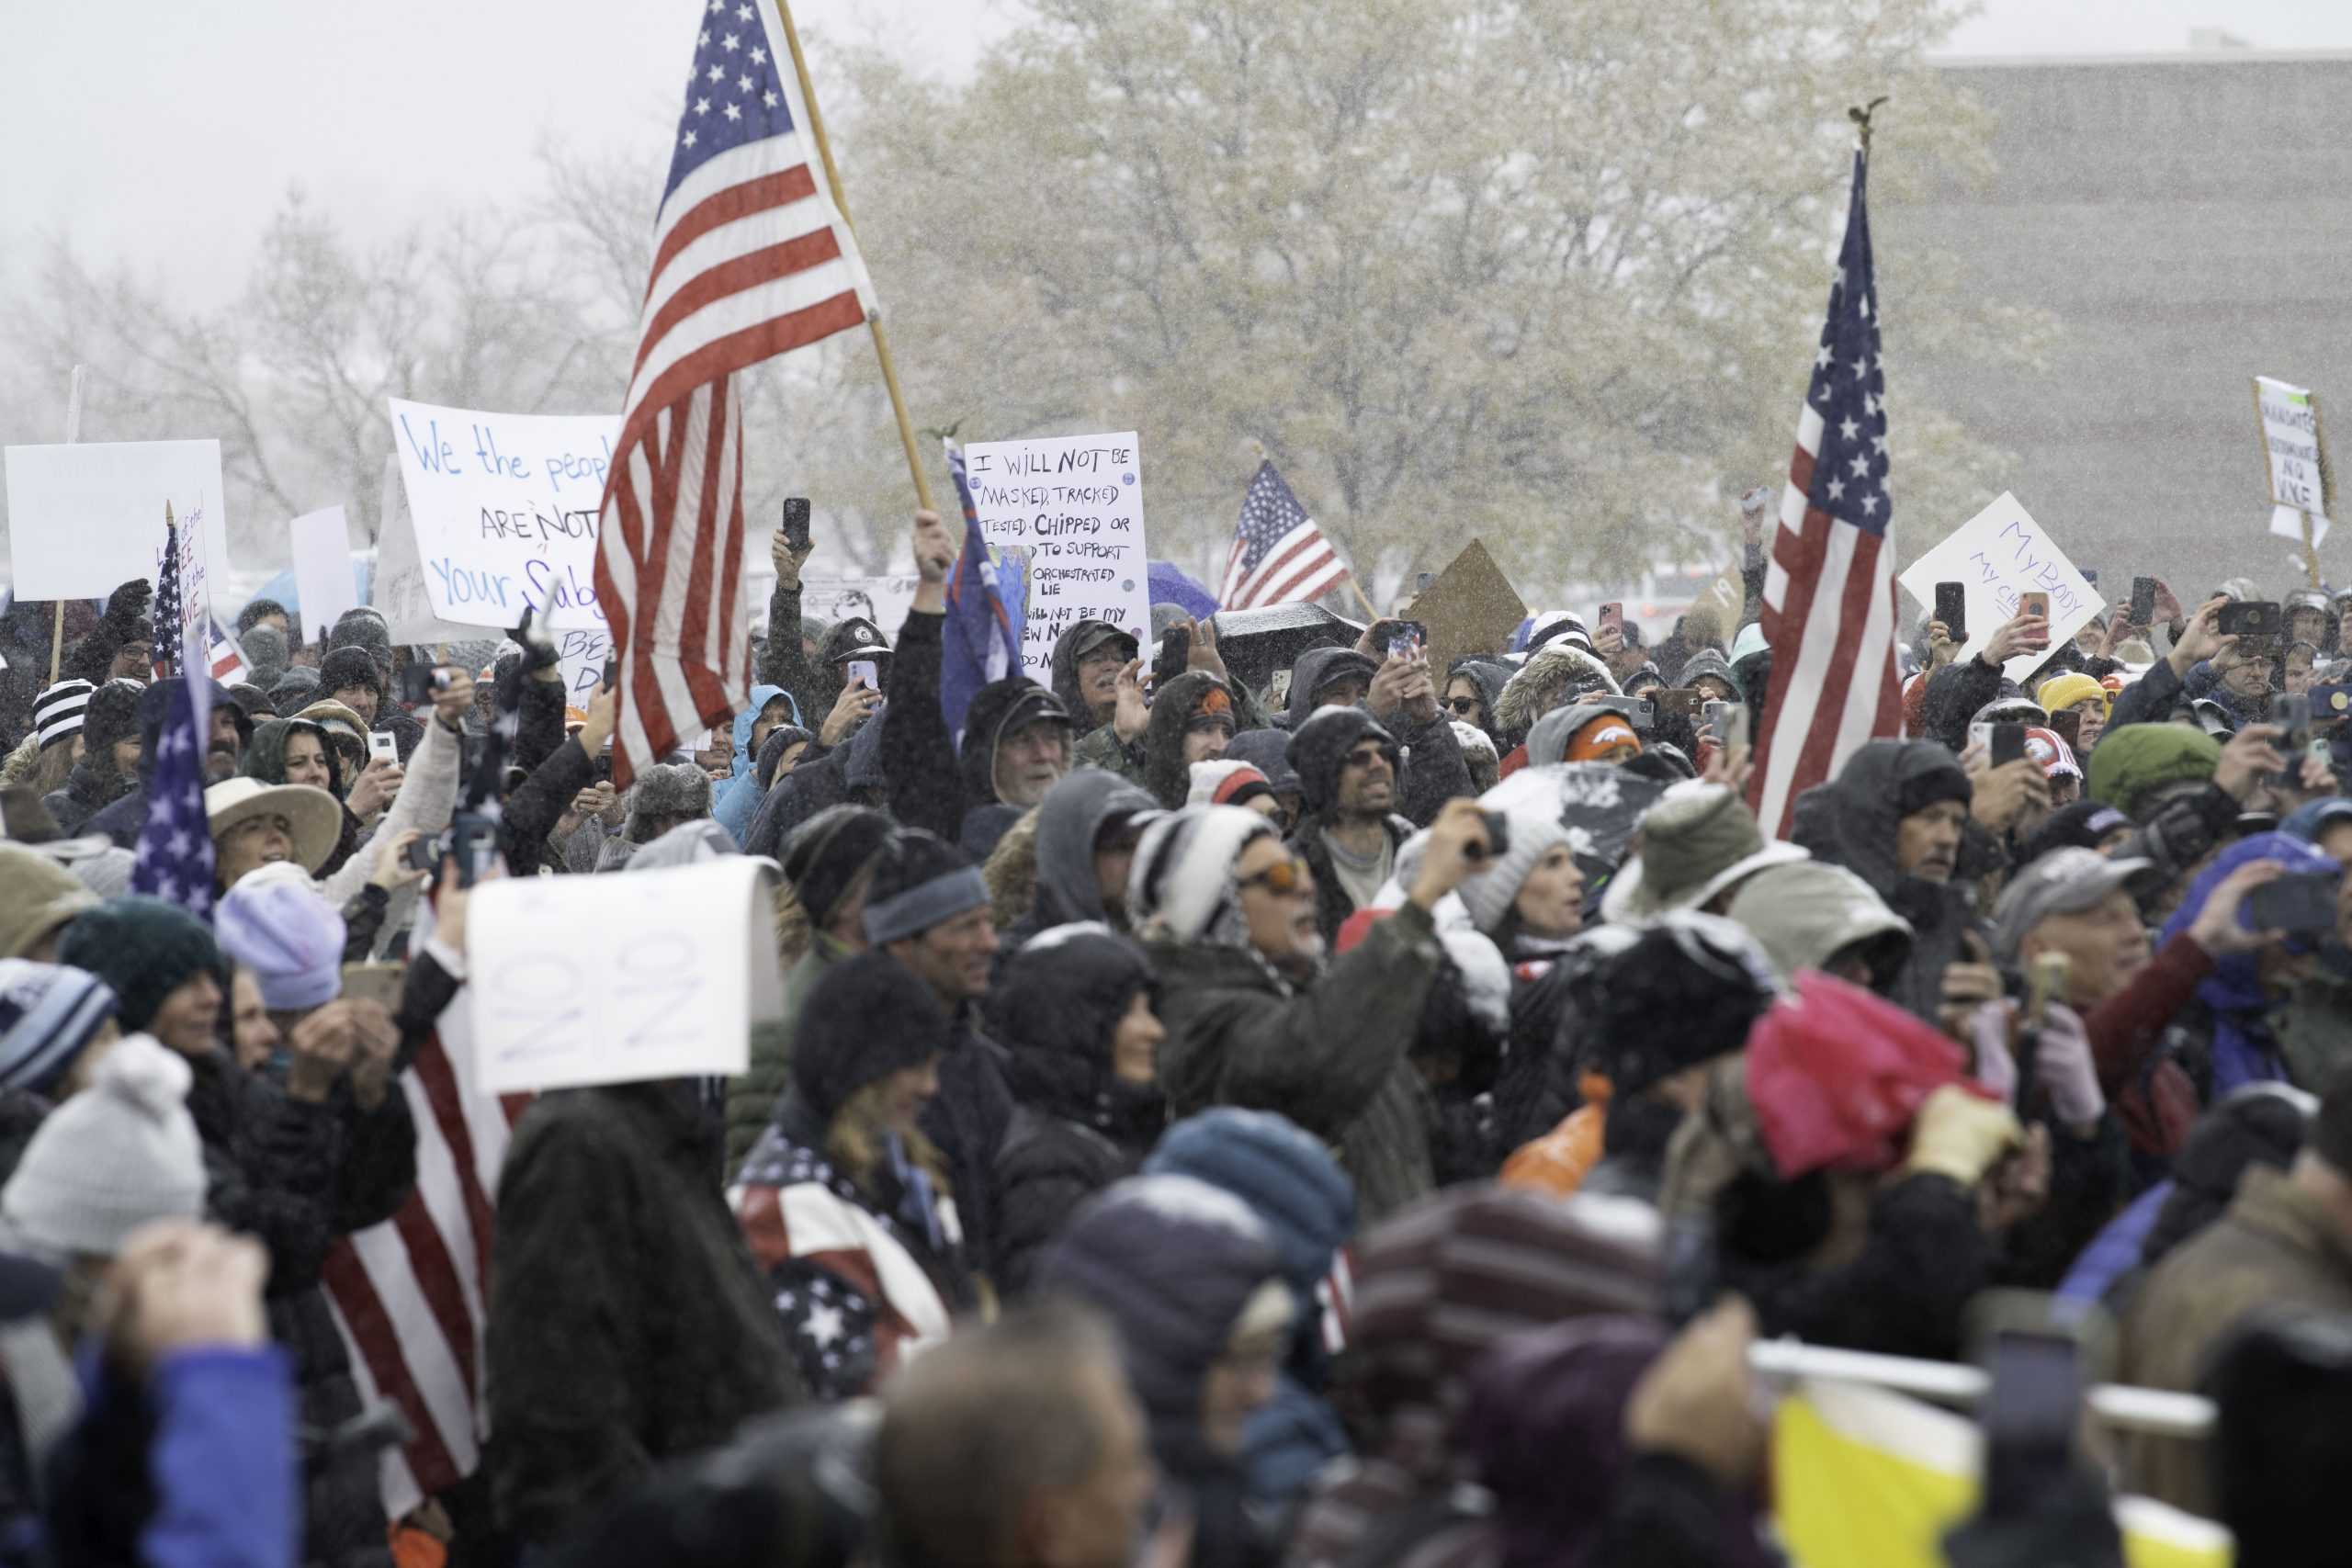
x,y
166,136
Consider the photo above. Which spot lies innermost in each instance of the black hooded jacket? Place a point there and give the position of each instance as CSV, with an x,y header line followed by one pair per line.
x,y
1068,821
930,783
1853,821
88,792
1076,1128
1490,678
1165,772
1319,667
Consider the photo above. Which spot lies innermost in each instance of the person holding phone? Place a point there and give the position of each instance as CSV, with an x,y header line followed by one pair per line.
x,y
1957,690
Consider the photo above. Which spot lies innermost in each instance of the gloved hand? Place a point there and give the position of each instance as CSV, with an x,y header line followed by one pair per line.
x,y
2063,1067
1960,1135
129,602
1988,1032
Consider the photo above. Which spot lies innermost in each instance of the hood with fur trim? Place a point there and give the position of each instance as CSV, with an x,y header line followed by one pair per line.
x,y
1555,672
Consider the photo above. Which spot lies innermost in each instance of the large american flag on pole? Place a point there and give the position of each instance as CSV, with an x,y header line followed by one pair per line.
x,y
751,259
1829,587
1280,557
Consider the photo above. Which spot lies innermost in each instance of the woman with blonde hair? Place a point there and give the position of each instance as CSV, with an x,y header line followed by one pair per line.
x,y
843,1200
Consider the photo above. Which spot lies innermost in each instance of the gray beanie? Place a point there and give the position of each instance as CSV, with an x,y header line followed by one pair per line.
x,y
1490,895
121,1153
665,790
266,652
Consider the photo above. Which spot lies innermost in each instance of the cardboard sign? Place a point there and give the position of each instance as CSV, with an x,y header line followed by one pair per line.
x,y
399,577
323,579
1064,517
86,518
1470,608
621,978
505,508
2291,442
1994,555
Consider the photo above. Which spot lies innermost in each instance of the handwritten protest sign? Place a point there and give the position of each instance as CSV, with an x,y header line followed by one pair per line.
x,y
399,577
620,980
193,637
884,601
2291,441
581,654
1997,555
505,510
322,568
86,518
1064,514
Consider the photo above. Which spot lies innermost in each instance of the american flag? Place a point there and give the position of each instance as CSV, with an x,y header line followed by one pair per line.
x,y
410,1295
751,259
165,652
174,860
226,655
1829,589
1280,557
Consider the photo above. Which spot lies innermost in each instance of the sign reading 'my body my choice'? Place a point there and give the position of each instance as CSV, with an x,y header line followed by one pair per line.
x,y
505,509
1996,556
1066,511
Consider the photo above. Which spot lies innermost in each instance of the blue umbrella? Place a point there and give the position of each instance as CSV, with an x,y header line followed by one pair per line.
x,y
281,587
1171,586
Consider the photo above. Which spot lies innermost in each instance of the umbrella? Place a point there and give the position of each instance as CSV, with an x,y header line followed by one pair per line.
x,y
1171,586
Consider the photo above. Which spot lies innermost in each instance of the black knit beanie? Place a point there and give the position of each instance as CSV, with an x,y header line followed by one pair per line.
x,y
145,949
825,853
920,881
348,667
868,1017
1685,992
112,715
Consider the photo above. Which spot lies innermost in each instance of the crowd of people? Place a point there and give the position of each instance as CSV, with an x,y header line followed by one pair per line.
x,y
1208,1122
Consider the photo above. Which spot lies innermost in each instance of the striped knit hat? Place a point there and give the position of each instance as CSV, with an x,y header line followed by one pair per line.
x,y
57,711
1181,885
47,1012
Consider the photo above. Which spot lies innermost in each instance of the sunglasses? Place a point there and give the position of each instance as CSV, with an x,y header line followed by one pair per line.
x,y
1283,878
1463,704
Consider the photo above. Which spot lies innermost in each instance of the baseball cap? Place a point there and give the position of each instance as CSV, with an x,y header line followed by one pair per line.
x,y
2063,882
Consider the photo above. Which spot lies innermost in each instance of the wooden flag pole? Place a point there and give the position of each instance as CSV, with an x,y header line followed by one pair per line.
x,y
840,203
72,435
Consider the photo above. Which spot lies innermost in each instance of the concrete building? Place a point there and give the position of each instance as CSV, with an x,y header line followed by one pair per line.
x,y
2187,221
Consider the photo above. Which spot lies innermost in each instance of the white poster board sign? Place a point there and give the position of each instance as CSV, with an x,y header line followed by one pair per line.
x,y
884,601
1067,511
581,654
621,978
1997,555
322,574
86,518
399,576
2290,440
505,508
2286,522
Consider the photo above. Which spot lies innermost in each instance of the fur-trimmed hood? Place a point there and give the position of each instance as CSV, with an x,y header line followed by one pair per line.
x,y
1556,670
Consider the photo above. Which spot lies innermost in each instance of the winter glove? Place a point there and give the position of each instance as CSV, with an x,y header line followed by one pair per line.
x,y
1989,1032
1960,1135
128,602
2063,1067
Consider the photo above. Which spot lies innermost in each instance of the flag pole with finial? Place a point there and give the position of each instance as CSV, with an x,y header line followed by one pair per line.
x,y
841,204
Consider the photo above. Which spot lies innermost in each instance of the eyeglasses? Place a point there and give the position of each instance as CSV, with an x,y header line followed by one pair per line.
x,y
1284,878
1463,704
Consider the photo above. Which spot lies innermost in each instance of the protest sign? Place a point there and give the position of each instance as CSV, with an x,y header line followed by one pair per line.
x,y
87,517
2286,522
1064,514
2290,443
399,577
1469,608
884,601
621,979
581,655
193,636
1994,555
323,577
505,509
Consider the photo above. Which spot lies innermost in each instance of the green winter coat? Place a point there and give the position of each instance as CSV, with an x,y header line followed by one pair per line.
x,y
752,1098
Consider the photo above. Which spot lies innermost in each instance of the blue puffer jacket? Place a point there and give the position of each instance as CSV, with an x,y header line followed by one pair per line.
x,y
1294,1186
2243,1048
733,802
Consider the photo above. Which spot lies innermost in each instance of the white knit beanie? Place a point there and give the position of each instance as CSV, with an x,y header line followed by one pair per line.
x,y
120,1154
1181,885
1490,895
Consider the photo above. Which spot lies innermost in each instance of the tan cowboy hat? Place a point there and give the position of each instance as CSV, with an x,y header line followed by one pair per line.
x,y
315,816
